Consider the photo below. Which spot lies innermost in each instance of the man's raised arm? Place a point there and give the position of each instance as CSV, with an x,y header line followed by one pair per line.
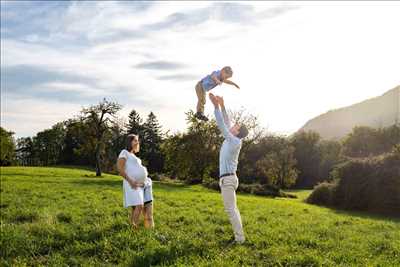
x,y
218,117
224,113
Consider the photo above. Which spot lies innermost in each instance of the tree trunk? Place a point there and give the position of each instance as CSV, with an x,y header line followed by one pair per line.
x,y
98,167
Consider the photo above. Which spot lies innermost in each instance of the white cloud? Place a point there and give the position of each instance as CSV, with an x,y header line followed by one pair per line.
x,y
73,88
28,116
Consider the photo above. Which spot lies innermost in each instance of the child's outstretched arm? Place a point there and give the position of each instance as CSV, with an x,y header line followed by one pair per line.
x,y
231,83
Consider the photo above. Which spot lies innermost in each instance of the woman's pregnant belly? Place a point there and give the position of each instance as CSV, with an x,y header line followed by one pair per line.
x,y
137,172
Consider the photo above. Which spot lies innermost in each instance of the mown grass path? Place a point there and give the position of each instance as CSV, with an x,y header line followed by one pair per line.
x,y
65,216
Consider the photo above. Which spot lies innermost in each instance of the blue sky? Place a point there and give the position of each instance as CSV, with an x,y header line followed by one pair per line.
x,y
293,60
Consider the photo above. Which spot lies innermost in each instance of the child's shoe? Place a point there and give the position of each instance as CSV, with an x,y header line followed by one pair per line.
x,y
200,116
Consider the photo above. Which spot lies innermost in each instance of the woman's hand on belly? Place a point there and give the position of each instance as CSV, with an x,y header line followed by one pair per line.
x,y
134,184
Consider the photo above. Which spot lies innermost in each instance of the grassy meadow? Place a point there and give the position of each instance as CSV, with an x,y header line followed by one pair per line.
x,y
68,217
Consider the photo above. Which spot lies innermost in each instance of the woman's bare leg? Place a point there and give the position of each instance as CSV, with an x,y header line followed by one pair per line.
x,y
135,216
148,215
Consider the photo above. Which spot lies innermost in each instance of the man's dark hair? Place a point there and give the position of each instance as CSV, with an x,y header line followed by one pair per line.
x,y
129,139
243,132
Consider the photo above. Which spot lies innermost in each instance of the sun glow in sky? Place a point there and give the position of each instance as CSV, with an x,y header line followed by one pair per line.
x,y
293,60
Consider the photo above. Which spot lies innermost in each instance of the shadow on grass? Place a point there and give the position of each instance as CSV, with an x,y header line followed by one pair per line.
x,y
84,168
24,174
75,167
362,214
170,187
368,215
26,170
97,182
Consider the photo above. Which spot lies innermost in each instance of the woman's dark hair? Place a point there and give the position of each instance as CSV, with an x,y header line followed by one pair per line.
x,y
129,140
243,132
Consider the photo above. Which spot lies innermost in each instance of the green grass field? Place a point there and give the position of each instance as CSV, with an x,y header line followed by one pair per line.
x,y
62,216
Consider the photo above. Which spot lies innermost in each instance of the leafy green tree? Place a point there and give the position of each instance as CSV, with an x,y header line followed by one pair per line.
x,y
388,138
308,158
252,167
396,150
151,140
25,151
330,152
176,164
278,165
366,141
74,141
80,142
7,147
361,142
193,156
48,145
135,124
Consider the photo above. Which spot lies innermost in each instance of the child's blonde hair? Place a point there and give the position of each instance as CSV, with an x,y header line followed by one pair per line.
x,y
228,70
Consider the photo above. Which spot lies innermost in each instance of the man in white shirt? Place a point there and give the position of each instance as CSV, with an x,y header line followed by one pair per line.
x,y
228,161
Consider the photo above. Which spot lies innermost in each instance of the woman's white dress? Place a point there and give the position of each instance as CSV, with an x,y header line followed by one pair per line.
x,y
140,195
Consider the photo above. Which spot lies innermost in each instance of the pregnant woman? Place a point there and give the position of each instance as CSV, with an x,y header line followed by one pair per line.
x,y
137,186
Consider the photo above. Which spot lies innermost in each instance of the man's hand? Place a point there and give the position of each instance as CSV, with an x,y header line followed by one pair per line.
x,y
214,100
220,100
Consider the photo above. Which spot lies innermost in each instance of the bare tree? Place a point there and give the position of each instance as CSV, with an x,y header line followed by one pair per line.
x,y
256,132
99,118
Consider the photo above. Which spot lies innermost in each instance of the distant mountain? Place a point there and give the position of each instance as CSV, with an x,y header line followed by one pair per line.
x,y
381,111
